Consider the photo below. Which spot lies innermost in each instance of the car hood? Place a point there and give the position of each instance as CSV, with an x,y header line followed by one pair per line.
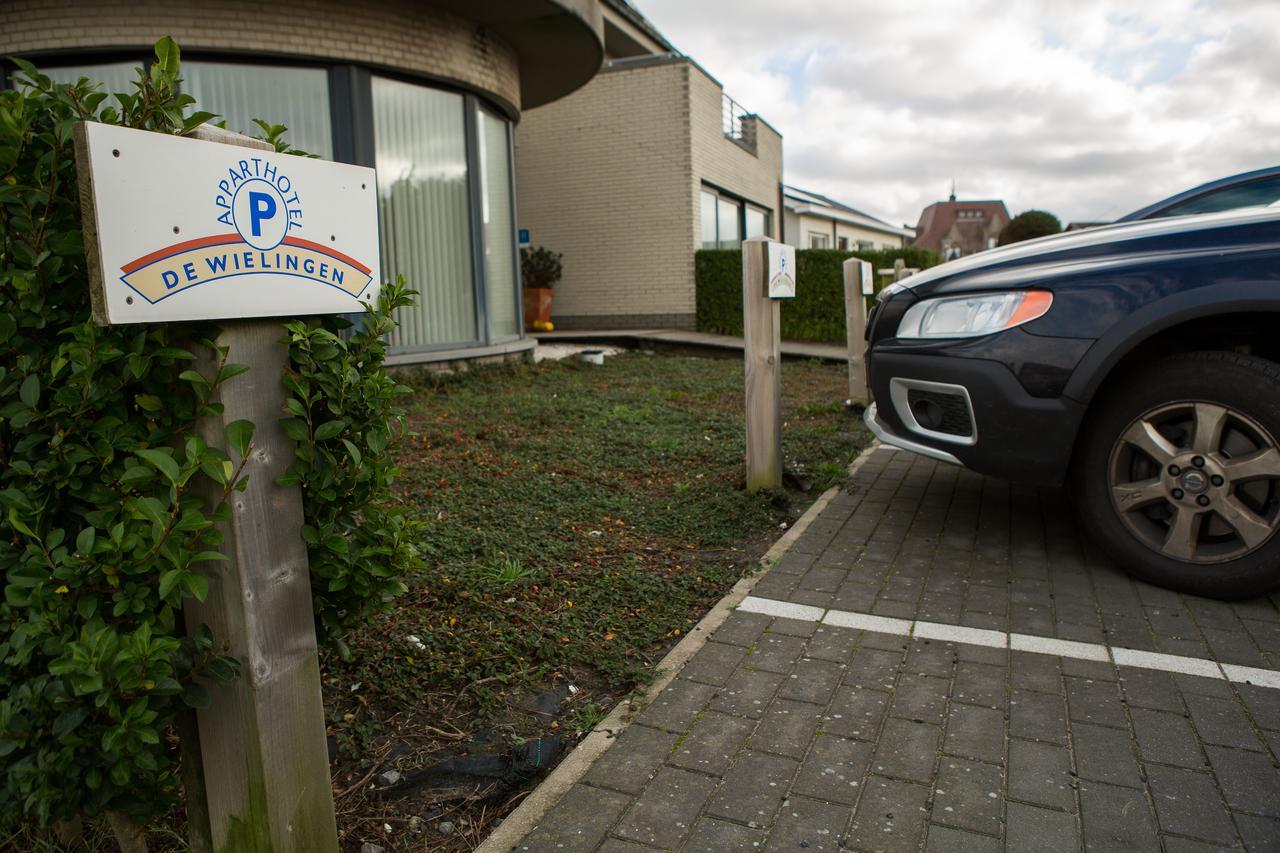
x,y
1069,243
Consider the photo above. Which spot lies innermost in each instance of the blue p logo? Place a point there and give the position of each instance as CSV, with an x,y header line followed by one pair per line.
x,y
261,206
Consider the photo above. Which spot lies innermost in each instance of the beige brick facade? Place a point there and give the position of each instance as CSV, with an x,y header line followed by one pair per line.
x,y
610,177
394,33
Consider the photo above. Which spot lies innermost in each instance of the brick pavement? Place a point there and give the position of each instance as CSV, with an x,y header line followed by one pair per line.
x,y
792,734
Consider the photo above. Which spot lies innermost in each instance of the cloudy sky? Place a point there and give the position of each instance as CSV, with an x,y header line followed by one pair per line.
x,y
1086,108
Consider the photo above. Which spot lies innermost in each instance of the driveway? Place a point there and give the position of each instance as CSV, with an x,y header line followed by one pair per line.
x,y
941,662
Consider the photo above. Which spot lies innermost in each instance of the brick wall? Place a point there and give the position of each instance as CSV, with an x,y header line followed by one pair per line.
x,y
395,33
603,177
610,177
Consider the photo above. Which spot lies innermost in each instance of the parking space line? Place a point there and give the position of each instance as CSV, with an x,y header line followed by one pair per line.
x,y
1136,658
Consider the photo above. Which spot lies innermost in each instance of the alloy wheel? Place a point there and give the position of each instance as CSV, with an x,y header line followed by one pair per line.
x,y
1197,482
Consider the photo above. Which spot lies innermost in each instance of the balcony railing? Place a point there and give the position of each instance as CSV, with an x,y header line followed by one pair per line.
x,y
738,124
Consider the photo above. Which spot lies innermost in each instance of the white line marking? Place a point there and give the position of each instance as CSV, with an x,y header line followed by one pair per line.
x,y
1017,642
961,634
1061,648
785,609
868,622
1167,663
1251,675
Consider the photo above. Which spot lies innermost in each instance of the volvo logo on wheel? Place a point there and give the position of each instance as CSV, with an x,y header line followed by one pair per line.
x,y
1194,481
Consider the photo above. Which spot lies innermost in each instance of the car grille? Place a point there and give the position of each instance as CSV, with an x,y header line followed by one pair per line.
x,y
941,412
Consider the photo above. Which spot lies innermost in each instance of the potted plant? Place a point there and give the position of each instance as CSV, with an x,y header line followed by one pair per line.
x,y
540,269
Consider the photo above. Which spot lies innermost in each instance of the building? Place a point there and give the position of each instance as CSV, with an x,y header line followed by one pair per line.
x,y
956,228
629,175
812,221
426,91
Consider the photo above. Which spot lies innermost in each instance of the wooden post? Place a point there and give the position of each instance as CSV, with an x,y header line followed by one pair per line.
x,y
262,739
762,353
857,287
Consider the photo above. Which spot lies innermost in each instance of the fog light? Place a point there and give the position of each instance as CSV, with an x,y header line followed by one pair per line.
x,y
928,413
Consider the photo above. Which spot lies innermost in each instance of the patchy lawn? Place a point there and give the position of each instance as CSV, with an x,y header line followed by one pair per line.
x,y
577,520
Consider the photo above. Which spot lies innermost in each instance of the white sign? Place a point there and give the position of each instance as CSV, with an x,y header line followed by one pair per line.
x,y
782,270
194,230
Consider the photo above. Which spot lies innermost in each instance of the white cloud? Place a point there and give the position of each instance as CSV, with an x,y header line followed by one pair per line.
x,y
1086,108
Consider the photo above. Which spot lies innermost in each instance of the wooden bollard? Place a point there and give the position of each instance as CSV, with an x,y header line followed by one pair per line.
x,y
768,267
857,287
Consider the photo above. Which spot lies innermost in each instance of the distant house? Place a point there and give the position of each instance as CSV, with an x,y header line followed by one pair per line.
x,y
813,221
956,228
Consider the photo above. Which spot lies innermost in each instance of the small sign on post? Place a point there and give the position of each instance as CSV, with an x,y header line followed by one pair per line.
x,y
768,275
227,229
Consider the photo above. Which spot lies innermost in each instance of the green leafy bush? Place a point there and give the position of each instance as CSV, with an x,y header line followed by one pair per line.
x,y
1028,225
816,313
103,530
540,267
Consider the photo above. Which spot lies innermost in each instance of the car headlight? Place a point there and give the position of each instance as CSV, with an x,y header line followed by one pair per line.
x,y
973,314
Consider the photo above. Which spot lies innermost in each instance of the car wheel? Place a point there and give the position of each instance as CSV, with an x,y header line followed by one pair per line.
x,y
1178,473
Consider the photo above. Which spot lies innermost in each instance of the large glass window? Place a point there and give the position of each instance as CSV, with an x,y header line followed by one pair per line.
x,y
297,98
728,215
726,220
115,76
421,158
497,224
757,222
708,220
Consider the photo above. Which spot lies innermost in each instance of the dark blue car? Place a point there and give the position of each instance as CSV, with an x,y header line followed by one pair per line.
x,y
1138,363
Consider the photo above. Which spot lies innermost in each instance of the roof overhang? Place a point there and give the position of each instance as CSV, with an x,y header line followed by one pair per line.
x,y
802,209
560,43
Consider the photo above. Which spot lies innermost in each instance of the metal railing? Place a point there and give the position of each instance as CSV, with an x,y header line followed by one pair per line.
x,y
738,124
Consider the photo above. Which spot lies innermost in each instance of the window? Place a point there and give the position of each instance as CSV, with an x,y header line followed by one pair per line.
x,y
818,241
757,221
728,223
297,98
423,205
725,221
709,220
842,243
865,246
115,76
497,226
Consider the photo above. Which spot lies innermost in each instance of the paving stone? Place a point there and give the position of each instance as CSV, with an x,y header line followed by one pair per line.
x,y
741,628
1105,755
1148,688
793,562
907,750
1263,704
823,579
1200,686
1249,781
894,643
891,816
617,845
1188,803
776,586
578,822
795,627
833,643
808,825
834,769
894,609
717,836
1034,830
856,596
1259,833
713,664
1094,669
1094,702
787,728
1040,673
975,732
1041,773
634,757
1222,722
856,712
921,698
812,681
944,839
675,707
979,684
712,743
1116,820
667,809
967,794
1173,844
1233,647
1166,738
754,789
1038,716
812,597
775,652
926,657
747,693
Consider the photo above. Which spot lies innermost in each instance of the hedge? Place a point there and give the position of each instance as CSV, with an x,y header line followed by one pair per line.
x,y
817,311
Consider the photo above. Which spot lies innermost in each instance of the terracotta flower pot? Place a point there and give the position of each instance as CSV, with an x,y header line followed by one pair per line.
x,y
537,307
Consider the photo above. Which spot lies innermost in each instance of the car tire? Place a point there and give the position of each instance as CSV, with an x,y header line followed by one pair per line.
x,y
1173,473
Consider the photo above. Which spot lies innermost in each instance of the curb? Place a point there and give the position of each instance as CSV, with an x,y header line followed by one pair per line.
x,y
525,818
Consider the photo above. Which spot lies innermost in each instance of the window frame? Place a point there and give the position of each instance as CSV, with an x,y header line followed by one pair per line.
x,y
743,204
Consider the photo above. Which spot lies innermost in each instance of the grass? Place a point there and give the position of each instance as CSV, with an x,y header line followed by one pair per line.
x,y
577,521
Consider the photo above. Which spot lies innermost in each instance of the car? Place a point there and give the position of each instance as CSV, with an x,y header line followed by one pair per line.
x,y
1136,363
1258,188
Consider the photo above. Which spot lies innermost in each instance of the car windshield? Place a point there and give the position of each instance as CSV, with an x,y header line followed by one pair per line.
x,y
1255,194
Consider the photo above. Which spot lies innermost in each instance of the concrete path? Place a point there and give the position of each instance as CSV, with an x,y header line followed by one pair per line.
x,y
940,663
794,349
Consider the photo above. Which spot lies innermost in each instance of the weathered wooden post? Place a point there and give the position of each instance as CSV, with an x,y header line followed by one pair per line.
x,y
857,287
768,274
181,229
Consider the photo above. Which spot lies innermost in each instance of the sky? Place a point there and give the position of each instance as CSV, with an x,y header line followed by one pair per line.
x,y
1086,108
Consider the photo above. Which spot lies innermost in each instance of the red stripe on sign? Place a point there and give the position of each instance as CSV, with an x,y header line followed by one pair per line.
x,y
179,248
326,250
